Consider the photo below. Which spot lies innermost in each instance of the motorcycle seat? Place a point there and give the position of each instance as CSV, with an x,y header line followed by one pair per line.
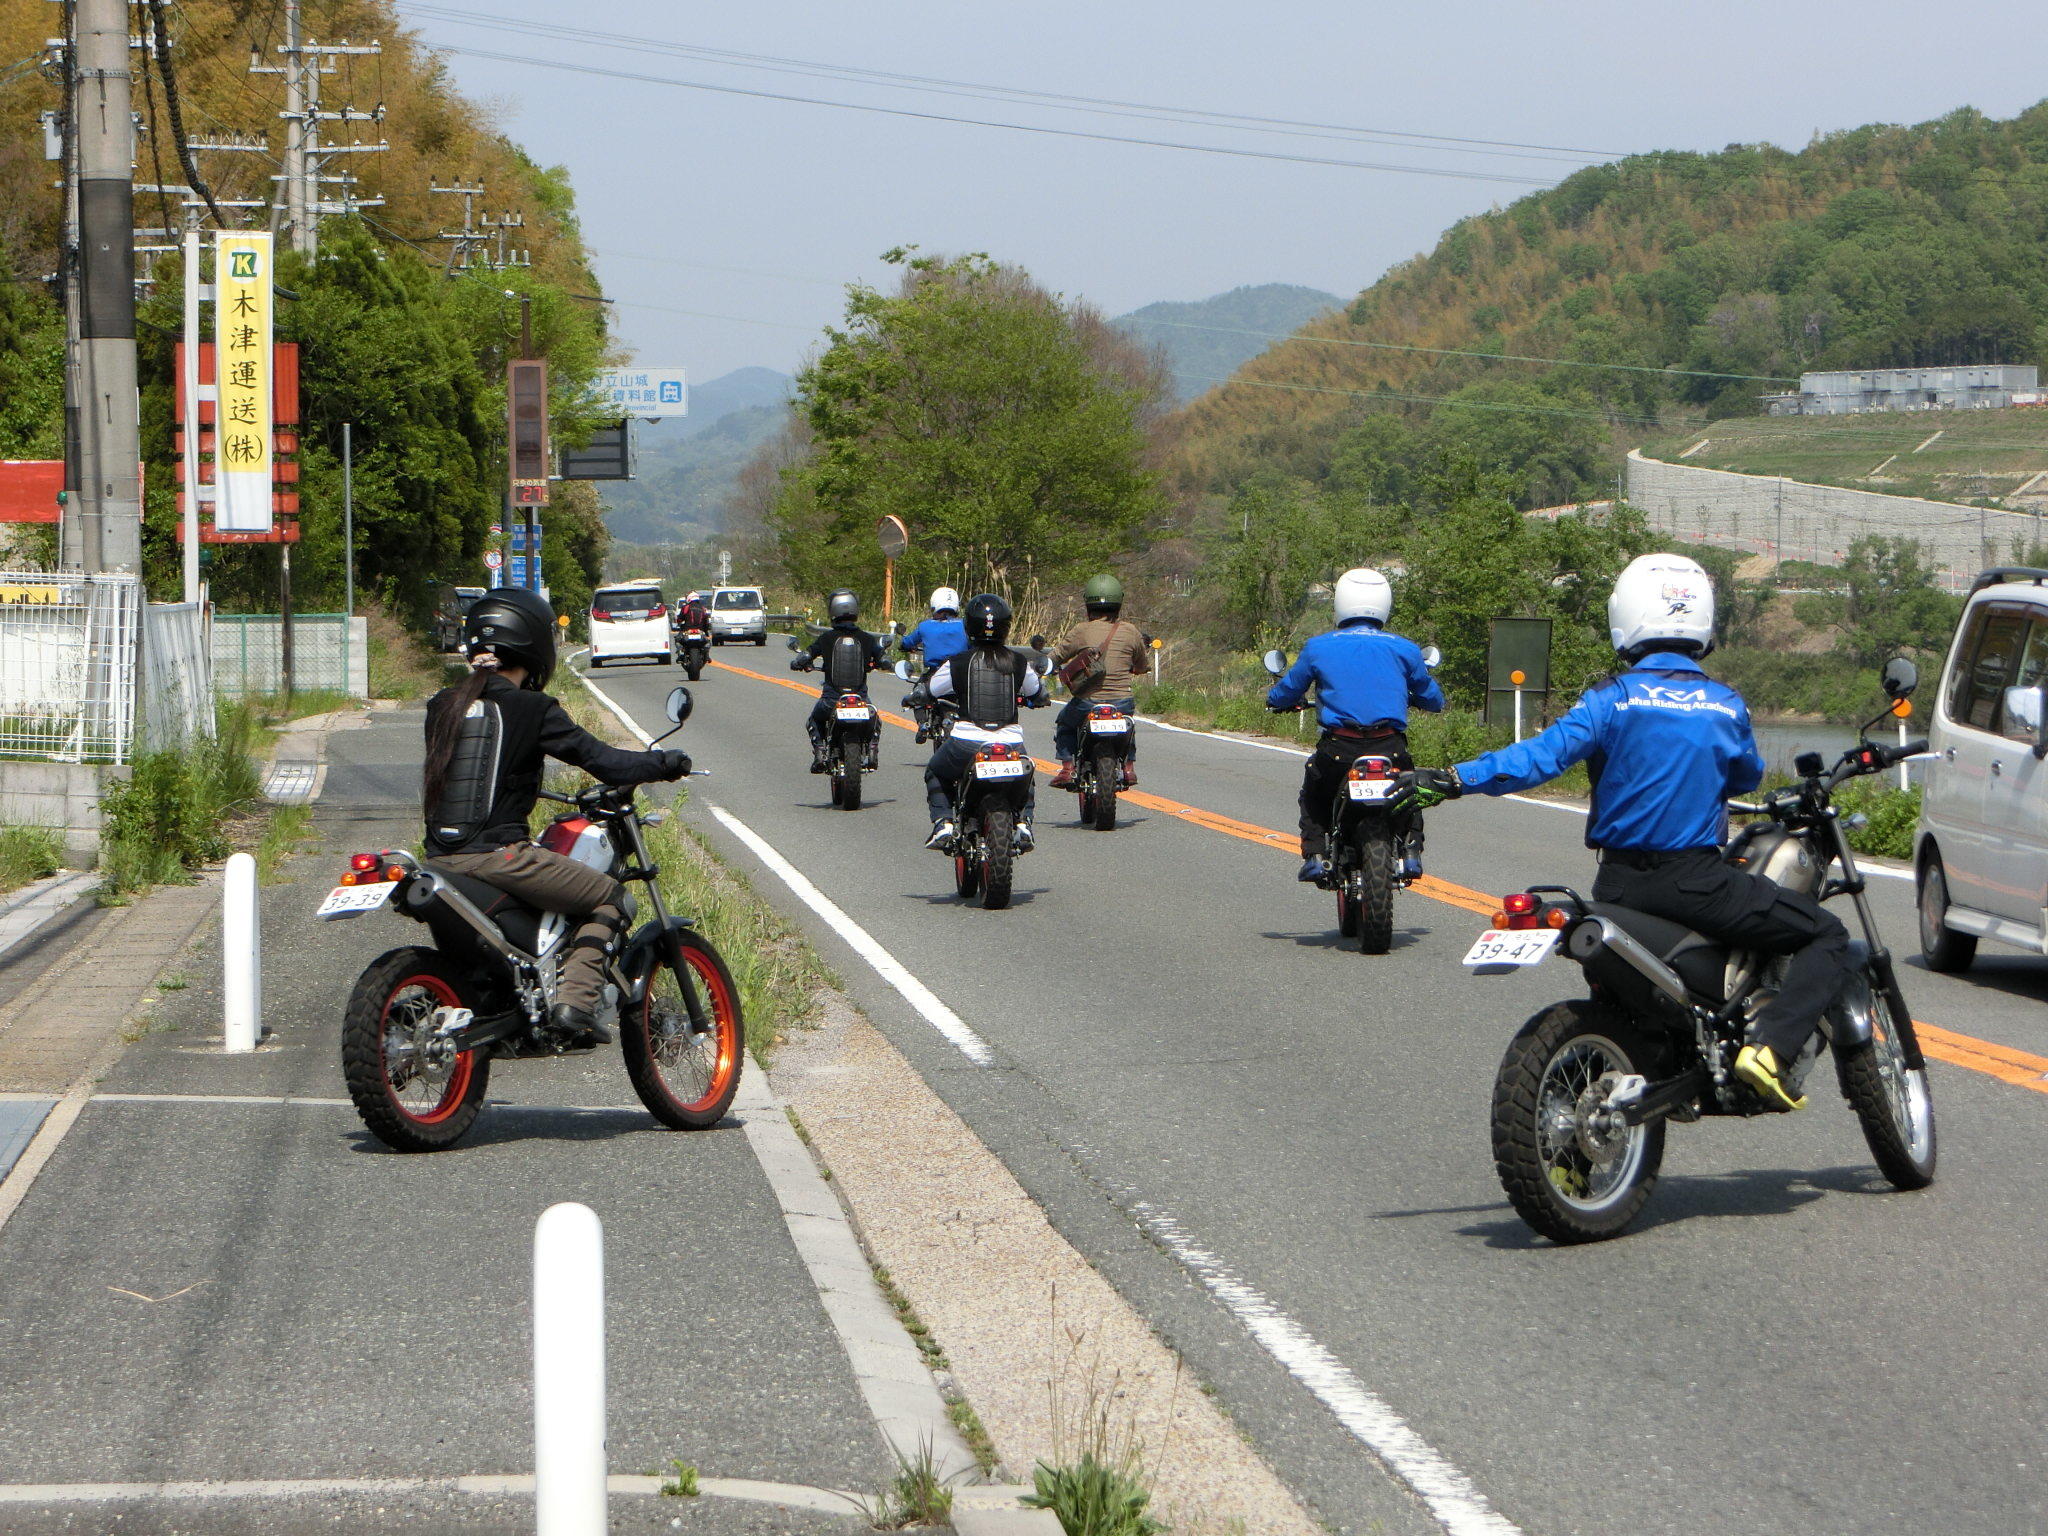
x,y
1701,962
519,922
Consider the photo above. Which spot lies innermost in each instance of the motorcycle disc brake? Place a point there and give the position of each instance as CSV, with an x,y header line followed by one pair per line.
x,y
1598,1132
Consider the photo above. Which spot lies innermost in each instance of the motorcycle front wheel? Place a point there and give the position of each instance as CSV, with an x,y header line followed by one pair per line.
x,y
1891,1100
1571,1179
684,1076
413,1093
967,864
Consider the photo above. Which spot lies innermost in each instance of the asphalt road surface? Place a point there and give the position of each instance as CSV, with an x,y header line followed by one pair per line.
x,y
1242,1120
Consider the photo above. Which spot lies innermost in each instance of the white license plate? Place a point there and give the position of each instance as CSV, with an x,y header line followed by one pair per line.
x,y
1001,770
1512,946
855,714
1116,727
1372,789
355,900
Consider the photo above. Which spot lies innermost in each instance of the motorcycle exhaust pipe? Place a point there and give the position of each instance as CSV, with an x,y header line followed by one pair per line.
x,y
1590,935
440,890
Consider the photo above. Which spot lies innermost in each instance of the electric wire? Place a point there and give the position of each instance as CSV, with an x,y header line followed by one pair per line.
x,y
170,79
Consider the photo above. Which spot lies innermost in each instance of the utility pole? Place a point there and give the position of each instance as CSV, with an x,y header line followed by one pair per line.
x,y
109,520
302,180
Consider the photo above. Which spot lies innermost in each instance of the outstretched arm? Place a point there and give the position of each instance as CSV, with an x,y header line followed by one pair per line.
x,y
563,739
1542,757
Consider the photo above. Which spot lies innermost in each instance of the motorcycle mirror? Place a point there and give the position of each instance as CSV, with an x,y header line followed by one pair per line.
x,y
896,628
1041,664
1431,657
902,670
793,645
1038,642
1901,677
1276,662
679,705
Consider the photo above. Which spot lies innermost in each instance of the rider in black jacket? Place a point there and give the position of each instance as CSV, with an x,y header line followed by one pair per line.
x,y
847,653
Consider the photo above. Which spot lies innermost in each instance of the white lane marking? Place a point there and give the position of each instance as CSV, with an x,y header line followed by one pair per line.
x,y
611,704
1452,1497
887,966
1242,741
790,1495
298,1101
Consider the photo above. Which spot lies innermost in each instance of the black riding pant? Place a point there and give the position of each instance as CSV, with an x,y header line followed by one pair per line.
x,y
1696,888
942,778
1324,776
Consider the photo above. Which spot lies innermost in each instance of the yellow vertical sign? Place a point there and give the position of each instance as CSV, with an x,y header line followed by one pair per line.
x,y
243,430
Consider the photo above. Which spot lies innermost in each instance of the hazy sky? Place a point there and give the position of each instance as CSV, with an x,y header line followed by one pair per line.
x,y
756,212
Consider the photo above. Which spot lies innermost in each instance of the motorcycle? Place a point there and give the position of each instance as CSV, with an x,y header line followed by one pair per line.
x,y
852,744
1105,748
988,802
1373,840
425,1022
693,648
1587,1086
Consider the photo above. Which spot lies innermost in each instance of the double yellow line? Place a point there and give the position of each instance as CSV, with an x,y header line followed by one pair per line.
x,y
2000,1061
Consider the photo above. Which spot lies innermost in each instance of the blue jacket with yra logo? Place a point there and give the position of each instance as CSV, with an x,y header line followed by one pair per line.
x,y
1362,675
1667,744
938,639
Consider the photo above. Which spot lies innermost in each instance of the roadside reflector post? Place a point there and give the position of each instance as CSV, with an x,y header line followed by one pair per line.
x,y
241,945
1518,677
568,1372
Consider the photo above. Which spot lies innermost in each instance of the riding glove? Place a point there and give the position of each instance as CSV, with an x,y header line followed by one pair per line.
x,y
675,765
1422,788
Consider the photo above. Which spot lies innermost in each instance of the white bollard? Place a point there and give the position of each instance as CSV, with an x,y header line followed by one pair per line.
x,y
1904,783
568,1372
241,946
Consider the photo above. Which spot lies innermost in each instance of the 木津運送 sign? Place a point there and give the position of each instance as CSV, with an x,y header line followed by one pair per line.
x,y
243,429
643,391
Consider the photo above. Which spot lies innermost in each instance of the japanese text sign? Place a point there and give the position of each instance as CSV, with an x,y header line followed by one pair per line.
x,y
244,430
643,391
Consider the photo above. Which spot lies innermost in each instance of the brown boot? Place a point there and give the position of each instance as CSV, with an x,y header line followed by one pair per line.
x,y
1130,774
1064,779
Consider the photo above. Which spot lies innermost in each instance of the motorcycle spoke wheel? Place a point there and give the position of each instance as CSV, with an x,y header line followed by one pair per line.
x,y
1892,1101
1108,775
967,867
996,856
1374,888
413,1092
1347,911
1572,1174
685,1076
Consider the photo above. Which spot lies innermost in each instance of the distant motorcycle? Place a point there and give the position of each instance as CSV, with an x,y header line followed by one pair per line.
x,y
693,646
424,1022
1587,1086
1372,840
852,743
1105,749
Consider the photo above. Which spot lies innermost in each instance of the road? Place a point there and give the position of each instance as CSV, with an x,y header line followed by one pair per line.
x,y
1278,1149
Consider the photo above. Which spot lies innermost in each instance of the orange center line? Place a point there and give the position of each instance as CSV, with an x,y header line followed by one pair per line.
x,y
2003,1062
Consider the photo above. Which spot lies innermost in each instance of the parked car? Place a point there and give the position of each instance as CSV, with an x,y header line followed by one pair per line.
x,y
1981,855
737,613
629,622
449,611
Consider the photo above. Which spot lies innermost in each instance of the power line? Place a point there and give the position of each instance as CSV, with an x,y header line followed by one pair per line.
x,y
979,122
170,79
982,91
1457,404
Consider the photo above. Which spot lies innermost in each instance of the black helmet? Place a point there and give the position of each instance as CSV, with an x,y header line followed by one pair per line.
x,y
988,619
515,625
843,606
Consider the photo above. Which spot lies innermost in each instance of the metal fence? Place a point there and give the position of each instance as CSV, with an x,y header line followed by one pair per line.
x,y
68,657
1793,520
330,653
177,684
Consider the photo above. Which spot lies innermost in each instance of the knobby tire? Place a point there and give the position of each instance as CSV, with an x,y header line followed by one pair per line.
x,y
395,985
686,1081
996,854
1863,1074
1375,887
1108,775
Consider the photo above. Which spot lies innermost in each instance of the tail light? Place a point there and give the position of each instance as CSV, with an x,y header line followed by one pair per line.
x,y
1104,712
599,616
1371,768
999,752
366,869
658,611
1520,910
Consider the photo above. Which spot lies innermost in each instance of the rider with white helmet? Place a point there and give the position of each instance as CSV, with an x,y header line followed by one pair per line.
x,y
936,640
1669,746
1366,678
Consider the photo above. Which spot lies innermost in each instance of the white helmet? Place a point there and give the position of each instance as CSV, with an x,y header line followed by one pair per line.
x,y
1662,601
1364,594
945,597
694,597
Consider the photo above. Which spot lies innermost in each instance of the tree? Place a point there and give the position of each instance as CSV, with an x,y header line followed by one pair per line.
x,y
1889,605
1000,423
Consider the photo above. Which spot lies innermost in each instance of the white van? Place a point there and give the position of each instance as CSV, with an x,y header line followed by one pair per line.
x,y
737,613
629,622
1982,852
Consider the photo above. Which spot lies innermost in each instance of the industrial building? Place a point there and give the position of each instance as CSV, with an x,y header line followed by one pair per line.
x,y
1975,387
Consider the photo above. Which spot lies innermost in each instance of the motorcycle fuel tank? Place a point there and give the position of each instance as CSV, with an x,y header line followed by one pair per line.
x,y
578,838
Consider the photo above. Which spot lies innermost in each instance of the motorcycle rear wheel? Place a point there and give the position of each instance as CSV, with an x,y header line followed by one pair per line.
x,y
996,854
1563,1190
1108,775
967,865
1891,1101
846,784
1374,887
694,667
686,1080
408,1105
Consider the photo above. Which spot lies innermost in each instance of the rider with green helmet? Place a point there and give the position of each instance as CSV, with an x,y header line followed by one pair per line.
x,y
1114,652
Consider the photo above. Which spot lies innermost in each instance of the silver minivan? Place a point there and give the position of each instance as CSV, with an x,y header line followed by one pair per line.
x,y
1982,855
737,613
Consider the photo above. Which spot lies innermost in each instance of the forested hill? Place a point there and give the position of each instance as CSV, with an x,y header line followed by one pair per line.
x,y
1882,245
1207,339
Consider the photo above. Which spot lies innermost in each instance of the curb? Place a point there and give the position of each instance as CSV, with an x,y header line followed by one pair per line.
x,y
26,912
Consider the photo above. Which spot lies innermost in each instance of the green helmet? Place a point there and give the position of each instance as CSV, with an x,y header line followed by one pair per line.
x,y
1103,592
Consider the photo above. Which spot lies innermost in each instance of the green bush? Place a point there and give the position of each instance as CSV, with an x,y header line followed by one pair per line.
x,y
27,854
169,816
1093,1498
1893,814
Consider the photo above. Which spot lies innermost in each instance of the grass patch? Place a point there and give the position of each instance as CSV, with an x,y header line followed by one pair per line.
x,y
681,1482
284,829
28,854
916,1496
1093,1498
170,815
402,664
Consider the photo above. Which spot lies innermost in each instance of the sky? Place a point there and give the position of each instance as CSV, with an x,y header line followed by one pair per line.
x,y
727,225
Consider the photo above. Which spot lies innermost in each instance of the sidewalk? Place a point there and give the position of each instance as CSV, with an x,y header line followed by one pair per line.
x,y
219,1278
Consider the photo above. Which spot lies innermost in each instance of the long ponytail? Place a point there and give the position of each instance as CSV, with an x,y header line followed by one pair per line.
x,y
444,726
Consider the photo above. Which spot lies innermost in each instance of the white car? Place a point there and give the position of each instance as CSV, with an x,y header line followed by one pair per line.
x,y
1982,851
737,613
629,622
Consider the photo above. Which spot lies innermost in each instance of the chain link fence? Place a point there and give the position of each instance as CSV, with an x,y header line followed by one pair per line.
x,y
1793,520
330,654
69,649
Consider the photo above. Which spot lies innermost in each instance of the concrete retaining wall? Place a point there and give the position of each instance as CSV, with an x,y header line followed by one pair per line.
x,y
64,796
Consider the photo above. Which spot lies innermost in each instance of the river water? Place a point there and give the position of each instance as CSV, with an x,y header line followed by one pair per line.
x,y
1782,740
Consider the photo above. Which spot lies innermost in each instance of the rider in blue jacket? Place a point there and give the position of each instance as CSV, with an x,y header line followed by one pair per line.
x,y
1668,747
942,635
1365,677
